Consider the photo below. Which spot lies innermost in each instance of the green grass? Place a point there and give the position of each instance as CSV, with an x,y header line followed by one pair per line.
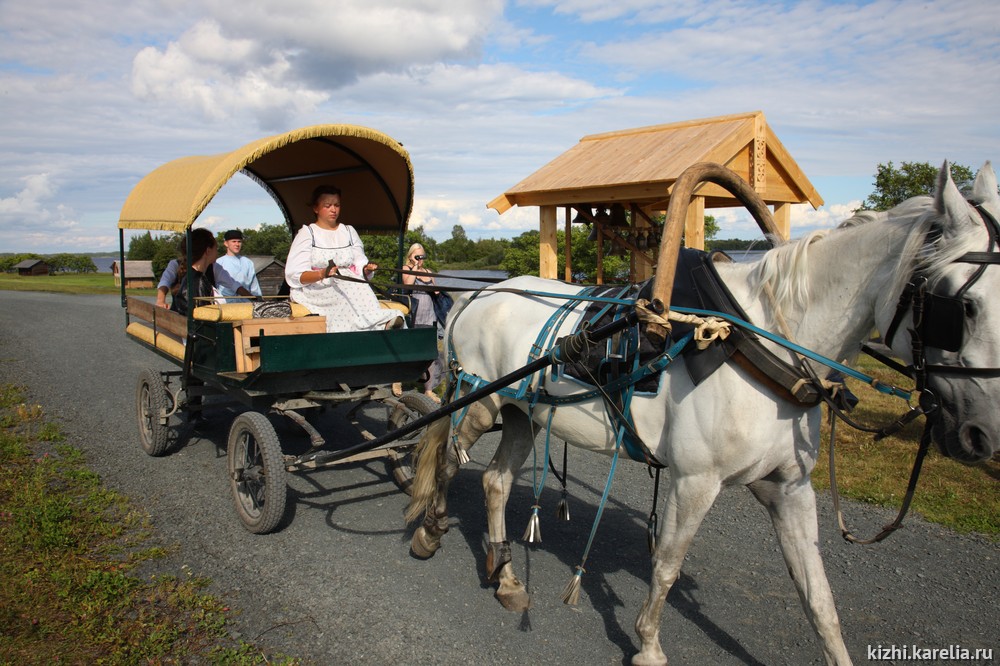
x,y
962,497
68,547
68,283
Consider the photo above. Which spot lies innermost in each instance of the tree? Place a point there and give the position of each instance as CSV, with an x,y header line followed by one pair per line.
x,y
160,250
457,249
71,263
490,252
522,257
270,240
141,247
894,186
7,263
711,227
82,263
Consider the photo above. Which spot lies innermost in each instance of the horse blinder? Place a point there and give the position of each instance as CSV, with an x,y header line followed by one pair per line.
x,y
943,323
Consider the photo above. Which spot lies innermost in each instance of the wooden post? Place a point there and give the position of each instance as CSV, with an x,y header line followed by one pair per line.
x,y
694,224
758,156
569,245
600,254
643,269
783,219
548,246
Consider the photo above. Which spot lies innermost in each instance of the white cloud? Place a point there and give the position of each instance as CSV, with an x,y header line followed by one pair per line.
x,y
34,218
220,77
438,216
738,223
276,60
481,88
805,219
35,206
28,200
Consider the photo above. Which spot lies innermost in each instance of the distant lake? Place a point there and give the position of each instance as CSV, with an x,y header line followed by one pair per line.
x,y
104,263
468,278
745,256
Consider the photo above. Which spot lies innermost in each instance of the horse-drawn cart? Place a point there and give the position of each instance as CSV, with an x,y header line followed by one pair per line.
x,y
274,366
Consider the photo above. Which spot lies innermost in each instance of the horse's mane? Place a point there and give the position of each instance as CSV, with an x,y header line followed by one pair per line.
x,y
784,272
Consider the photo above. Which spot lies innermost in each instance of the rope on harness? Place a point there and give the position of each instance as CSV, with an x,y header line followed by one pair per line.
x,y
706,329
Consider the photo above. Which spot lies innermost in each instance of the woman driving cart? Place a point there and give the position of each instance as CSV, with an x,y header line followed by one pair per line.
x,y
326,248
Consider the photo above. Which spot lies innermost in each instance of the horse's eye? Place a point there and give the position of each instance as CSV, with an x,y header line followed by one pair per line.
x,y
970,309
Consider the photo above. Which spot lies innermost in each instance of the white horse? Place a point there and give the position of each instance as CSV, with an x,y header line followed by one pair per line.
x,y
832,289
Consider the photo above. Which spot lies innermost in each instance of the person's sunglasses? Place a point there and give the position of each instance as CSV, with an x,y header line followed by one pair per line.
x,y
420,257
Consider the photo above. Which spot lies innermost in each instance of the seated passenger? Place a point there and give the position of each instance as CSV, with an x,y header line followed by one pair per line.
x,y
323,249
207,276
240,267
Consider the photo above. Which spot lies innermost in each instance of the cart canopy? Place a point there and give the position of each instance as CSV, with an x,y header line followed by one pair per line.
x,y
372,169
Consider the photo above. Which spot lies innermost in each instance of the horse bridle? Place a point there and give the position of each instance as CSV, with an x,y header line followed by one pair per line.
x,y
939,323
939,320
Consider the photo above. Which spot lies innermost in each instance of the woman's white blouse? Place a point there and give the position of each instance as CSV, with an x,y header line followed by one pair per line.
x,y
299,253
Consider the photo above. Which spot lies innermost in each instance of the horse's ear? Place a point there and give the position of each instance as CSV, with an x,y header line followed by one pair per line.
x,y
949,201
984,189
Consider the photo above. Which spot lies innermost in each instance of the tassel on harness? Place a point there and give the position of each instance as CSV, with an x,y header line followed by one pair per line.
x,y
533,533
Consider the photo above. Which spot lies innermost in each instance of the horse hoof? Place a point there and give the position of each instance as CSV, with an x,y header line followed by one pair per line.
x,y
649,660
517,601
423,546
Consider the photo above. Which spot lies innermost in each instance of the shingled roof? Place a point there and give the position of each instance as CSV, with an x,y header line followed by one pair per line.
x,y
640,165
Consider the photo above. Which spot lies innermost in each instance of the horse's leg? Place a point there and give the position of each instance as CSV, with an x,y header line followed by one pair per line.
x,y
792,506
688,500
445,460
516,441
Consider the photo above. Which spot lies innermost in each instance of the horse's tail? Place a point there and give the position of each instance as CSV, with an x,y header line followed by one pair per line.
x,y
427,453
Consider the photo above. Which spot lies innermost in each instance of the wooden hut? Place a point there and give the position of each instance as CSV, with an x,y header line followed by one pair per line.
x,y
620,181
138,274
32,267
270,273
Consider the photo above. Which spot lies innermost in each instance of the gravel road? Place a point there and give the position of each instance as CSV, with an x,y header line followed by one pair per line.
x,y
336,585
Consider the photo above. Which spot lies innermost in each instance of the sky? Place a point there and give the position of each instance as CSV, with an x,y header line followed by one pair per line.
x,y
94,95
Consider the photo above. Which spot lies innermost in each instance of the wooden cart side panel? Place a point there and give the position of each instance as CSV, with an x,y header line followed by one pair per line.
x,y
247,335
160,318
352,349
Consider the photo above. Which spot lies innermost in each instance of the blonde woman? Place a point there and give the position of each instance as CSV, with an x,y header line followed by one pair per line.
x,y
424,315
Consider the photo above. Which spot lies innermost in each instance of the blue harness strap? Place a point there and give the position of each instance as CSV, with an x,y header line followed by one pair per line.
x,y
619,391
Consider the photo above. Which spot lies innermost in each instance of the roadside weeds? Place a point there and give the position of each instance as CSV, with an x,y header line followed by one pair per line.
x,y
68,548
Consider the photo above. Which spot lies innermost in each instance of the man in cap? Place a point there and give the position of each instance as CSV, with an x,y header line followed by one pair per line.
x,y
240,267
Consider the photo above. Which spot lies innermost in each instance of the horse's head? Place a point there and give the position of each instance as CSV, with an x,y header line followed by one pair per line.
x,y
960,324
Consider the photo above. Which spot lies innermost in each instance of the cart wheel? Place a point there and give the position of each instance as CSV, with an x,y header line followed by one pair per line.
x,y
256,472
401,461
151,402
